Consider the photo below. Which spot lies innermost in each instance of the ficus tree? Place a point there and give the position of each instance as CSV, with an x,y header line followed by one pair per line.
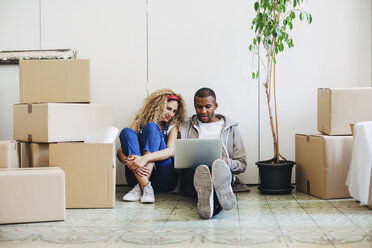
x,y
272,25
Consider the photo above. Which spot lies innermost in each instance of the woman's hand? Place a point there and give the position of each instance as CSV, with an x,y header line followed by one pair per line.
x,y
137,164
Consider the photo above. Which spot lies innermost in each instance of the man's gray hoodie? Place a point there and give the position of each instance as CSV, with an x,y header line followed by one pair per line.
x,y
232,143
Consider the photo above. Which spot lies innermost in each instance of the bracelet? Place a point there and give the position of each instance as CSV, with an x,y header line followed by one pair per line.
x,y
125,160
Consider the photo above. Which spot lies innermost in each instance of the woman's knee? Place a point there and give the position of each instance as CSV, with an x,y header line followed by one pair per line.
x,y
125,133
151,126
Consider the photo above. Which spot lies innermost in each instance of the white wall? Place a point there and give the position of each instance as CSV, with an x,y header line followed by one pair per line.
x,y
193,43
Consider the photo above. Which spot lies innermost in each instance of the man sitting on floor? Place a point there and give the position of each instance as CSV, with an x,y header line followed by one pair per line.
x,y
212,184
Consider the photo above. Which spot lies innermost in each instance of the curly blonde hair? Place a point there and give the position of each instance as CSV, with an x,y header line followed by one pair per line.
x,y
154,106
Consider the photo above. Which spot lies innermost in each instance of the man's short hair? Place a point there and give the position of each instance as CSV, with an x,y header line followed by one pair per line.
x,y
205,92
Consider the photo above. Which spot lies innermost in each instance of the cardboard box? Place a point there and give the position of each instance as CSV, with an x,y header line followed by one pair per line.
x,y
9,154
90,173
32,195
322,164
54,81
34,154
339,107
59,122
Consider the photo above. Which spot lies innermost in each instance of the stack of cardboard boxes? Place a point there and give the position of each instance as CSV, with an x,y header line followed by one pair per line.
x,y
322,160
51,122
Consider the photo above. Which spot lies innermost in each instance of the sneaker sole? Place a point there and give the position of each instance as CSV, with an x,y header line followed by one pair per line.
x,y
204,189
147,201
221,178
130,200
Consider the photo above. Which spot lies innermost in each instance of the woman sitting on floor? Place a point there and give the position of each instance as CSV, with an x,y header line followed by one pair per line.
x,y
147,146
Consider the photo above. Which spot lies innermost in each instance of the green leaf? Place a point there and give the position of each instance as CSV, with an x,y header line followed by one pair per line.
x,y
310,18
257,74
253,75
301,16
256,6
250,48
290,25
294,4
274,60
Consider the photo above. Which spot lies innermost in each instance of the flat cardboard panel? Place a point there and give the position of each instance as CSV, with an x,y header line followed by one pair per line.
x,y
34,154
39,154
59,122
338,107
9,154
309,164
54,81
322,164
32,195
90,173
337,162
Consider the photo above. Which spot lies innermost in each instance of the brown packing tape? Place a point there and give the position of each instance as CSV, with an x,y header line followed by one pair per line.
x,y
29,138
29,108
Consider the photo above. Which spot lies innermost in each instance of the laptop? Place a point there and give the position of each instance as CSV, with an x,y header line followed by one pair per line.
x,y
193,152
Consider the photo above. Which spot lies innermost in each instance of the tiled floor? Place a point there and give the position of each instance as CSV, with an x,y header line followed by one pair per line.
x,y
295,220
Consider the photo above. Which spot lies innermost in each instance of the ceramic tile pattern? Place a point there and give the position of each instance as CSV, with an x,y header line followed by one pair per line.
x,y
294,220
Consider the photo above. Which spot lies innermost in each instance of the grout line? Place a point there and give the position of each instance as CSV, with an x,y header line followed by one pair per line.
x,y
316,224
356,224
240,226
279,227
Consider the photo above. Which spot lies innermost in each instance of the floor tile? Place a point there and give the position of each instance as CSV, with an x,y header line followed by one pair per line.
x,y
351,241
302,231
294,220
261,220
331,220
307,241
267,241
219,237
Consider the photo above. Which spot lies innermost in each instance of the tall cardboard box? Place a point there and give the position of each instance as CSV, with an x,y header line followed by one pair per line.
x,y
34,154
337,107
90,173
54,81
9,154
32,195
59,122
322,164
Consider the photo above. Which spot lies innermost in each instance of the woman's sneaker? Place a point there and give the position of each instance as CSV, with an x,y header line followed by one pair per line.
x,y
148,195
134,194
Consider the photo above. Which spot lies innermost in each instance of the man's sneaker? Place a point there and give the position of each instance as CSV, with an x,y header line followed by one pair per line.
x,y
204,189
221,178
148,194
134,194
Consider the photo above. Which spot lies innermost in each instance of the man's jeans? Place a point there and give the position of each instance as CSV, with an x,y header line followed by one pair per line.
x,y
150,138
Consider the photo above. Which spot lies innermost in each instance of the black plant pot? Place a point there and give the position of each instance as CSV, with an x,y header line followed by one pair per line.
x,y
275,177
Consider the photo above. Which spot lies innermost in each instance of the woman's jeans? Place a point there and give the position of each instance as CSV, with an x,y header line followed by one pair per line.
x,y
150,138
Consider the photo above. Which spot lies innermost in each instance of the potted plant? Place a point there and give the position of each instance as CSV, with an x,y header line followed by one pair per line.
x,y
272,25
